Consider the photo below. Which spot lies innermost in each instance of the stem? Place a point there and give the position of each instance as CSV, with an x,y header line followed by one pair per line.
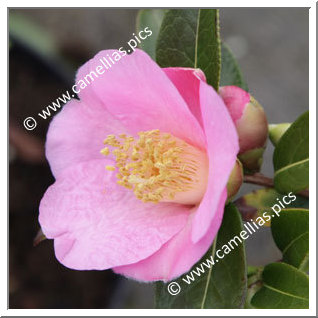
x,y
262,180
259,179
258,282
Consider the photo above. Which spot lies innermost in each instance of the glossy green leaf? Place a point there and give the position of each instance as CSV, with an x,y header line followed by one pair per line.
x,y
191,38
291,157
220,286
291,234
284,287
255,203
151,18
230,70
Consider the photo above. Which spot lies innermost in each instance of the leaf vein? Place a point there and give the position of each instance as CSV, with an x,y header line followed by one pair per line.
x,y
284,293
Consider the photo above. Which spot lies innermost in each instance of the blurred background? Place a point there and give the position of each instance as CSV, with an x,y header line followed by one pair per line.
x,y
46,47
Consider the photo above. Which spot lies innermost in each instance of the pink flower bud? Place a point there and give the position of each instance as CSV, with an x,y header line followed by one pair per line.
x,y
251,125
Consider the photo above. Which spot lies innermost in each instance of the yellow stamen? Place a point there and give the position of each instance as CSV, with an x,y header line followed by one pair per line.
x,y
158,167
105,151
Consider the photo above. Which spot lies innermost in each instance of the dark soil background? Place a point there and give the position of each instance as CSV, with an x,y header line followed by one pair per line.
x,y
46,48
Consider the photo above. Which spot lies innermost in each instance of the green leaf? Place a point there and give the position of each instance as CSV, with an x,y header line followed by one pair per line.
x,y
284,287
276,131
291,157
191,38
255,203
220,286
151,18
291,234
230,70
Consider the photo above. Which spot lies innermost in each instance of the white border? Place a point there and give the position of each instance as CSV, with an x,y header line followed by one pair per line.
x,y
159,312
162,3
312,156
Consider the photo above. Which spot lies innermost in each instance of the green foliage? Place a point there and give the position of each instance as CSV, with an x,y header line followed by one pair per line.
x,y
191,38
152,19
291,157
221,286
230,70
291,234
255,203
284,287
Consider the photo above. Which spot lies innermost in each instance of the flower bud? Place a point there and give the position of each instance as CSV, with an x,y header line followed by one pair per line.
x,y
251,125
276,131
235,180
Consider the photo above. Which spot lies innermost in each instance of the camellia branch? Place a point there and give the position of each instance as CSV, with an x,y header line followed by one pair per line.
x,y
262,180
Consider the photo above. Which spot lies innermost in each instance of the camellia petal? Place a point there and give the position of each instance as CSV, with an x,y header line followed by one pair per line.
x,y
76,134
187,81
138,93
176,256
97,224
222,148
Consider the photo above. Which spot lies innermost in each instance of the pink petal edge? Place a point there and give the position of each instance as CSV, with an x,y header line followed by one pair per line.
x,y
136,91
76,135
187,81
98,224
178,255
222,149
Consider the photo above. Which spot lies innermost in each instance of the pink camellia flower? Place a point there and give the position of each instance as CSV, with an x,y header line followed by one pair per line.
x,y
251,124
168,144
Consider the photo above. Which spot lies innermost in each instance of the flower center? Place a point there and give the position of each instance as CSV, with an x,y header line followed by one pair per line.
x,y
158,167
